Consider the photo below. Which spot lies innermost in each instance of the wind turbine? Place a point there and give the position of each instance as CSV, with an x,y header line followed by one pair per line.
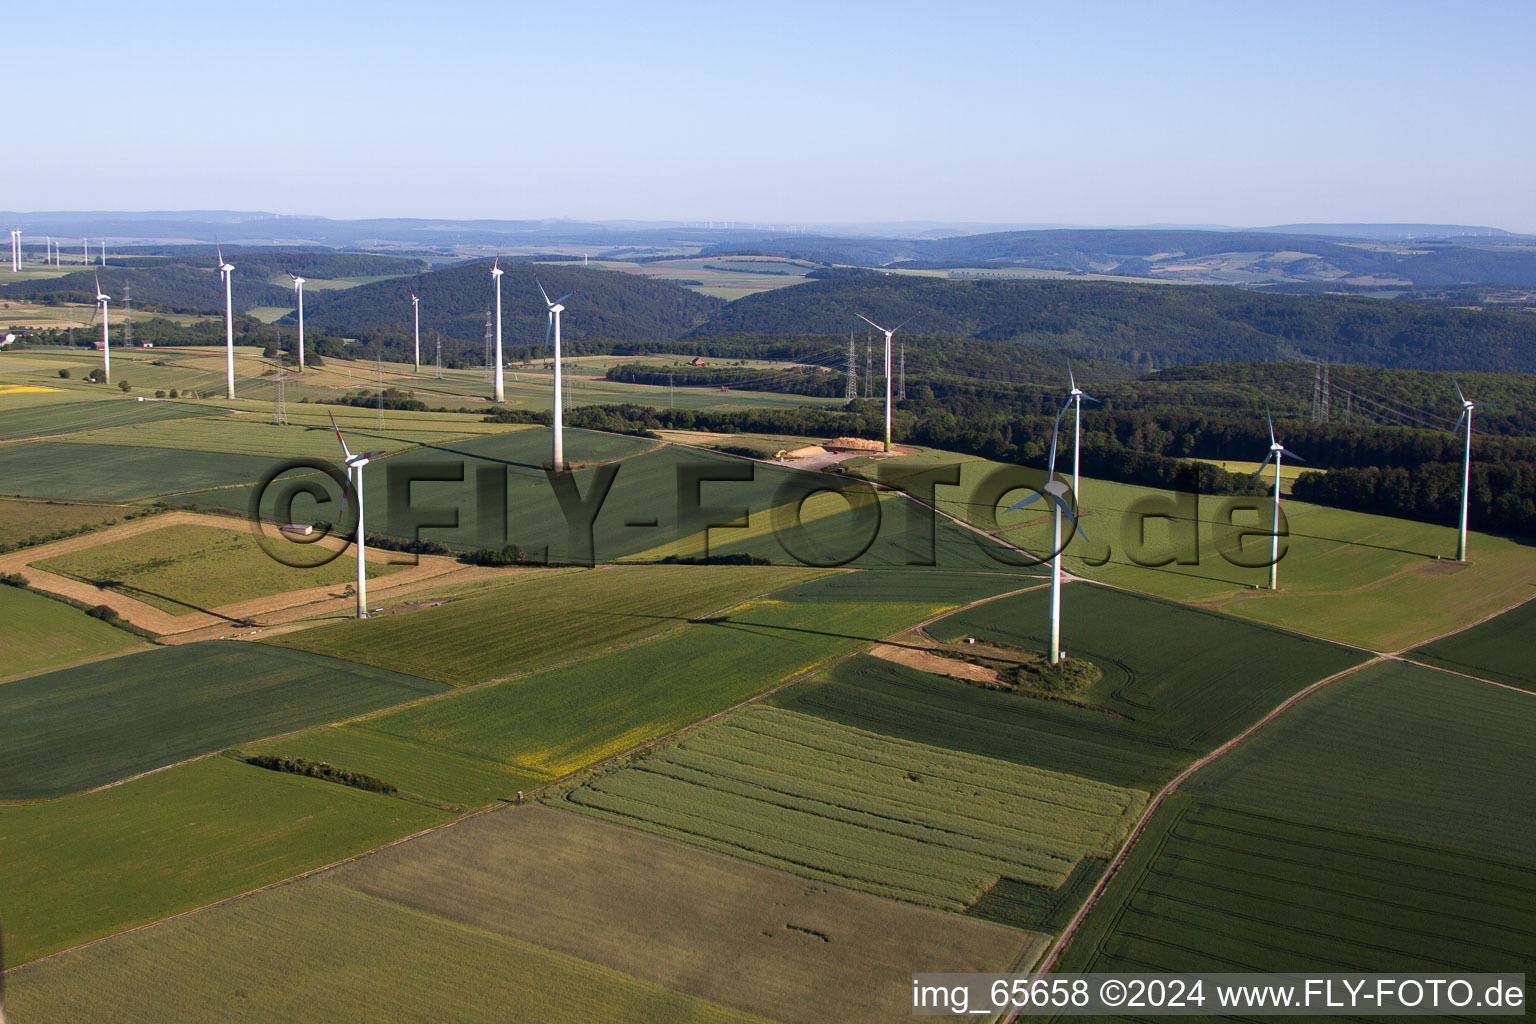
x,y
355,464
15,250
416,315
106,341
554,309
227,272
500,392
1076,398
298,292
1057,492
1466,466
887,334
1277,451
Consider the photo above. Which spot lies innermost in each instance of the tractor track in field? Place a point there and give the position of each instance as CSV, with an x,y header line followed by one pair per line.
x,y
1053,954
502,803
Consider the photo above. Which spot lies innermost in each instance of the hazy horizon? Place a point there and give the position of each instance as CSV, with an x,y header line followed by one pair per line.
x,y
997,114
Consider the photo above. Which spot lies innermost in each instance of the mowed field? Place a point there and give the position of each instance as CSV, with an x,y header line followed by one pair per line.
x,y
27,521
527,915
536,728
887,816
86,866
535,618
1384,823
106,473
1360,579
41,634
184,568
93,724
1499,649
70,417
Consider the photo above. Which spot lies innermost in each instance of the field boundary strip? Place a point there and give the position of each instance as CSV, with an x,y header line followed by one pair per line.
x,y
1465,675
499,805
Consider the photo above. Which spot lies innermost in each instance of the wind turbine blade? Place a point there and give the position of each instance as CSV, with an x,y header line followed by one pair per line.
x,y
1034,496
338,436
564,297
1485,405
1267,460
1055,431
544,293
904,323
1292,455
871,323
1089,398
1071,379
1459,421
1460,397
1271,421
1062,504
549,329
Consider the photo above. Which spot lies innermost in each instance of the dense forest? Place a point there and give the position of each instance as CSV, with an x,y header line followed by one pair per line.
x,y
1149,327
455,301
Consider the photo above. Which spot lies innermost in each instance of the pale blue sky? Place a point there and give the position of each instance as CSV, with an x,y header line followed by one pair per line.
x,y
1084,113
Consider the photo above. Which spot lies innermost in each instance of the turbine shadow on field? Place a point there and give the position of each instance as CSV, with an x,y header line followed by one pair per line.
x,y
128,590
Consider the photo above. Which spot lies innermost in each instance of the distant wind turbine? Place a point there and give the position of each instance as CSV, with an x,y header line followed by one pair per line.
x,y
15,250
1277,452
227,273
85,251
106,341
1466,466
1057,493
355,464
1076,397
416,316
499,392
887,334
554,309
298,292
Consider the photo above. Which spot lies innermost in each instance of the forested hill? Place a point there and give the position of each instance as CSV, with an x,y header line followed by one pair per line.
x,y
172,288
1150,326
609,304
187,281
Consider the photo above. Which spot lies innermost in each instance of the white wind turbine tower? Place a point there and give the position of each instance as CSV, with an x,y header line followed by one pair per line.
x,y
85,252
1076,397
1466,466
1056,492
499,392
554,309
15,250
227,272
416,329
887,334
298,293
106,341
355,464
1277,451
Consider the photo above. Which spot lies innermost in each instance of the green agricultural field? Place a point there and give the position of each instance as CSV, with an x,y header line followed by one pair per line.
x,y
24,521
87,866
184,568
880,696
73,417
41,634
637,903
543,726
1395,749
1174,677
93,724
324,941
1499,649
887,816
533,619
99,472
1216,888
1361,579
